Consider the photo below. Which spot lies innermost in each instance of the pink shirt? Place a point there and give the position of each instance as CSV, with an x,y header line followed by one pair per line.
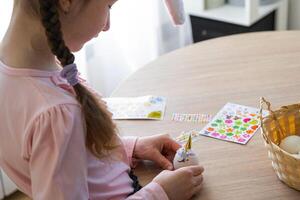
x,y
42,146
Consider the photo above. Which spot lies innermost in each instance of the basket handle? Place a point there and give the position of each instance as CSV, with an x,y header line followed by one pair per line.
x,y
268,104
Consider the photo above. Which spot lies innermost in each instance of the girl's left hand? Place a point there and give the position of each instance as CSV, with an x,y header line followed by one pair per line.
x,y
160,149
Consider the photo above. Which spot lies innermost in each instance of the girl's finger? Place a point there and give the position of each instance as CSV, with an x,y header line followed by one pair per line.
x,y
198,180
197,189
162,161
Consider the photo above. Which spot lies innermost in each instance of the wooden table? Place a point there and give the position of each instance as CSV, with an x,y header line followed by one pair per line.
x,y
203,77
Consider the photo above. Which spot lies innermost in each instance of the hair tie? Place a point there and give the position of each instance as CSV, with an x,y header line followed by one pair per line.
x,y
70,73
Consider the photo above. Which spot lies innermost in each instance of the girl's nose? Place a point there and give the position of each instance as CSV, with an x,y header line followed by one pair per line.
x,y
107,25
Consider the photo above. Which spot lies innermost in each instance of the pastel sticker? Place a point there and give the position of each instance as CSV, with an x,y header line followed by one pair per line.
x,y
243,129
229,134
221,131
246,120
241,140
223,137
238,123
210,129
215,134
254,122
228,121
229,130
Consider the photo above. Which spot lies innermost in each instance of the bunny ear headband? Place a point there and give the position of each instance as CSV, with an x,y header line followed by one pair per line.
x,y
176,11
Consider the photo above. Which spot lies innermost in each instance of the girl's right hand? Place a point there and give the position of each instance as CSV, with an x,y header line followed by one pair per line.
x,y
182,183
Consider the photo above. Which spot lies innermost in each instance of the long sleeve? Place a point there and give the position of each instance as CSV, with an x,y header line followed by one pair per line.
x,y
58,155
129,144
152,191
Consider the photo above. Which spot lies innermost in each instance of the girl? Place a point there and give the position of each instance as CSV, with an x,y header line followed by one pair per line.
x,y
57,138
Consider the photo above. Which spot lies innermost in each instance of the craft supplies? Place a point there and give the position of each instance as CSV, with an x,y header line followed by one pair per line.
x,y
145,107
185,156
184,136
196,118
234,123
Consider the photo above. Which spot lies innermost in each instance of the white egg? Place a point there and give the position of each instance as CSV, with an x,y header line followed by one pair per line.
x,y
291,144
184,158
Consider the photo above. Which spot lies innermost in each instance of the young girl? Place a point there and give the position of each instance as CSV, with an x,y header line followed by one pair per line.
x,y
57,138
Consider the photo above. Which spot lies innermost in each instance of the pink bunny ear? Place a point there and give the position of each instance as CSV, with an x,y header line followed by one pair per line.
x,y
176,11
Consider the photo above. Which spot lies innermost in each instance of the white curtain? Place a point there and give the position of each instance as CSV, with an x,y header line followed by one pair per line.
x,y
141,30
5,10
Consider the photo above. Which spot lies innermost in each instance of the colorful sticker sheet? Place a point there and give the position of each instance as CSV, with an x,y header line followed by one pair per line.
x,y
145,107
234,123
196,118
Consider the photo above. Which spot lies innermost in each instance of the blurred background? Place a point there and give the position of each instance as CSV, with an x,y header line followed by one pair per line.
x,y
141,31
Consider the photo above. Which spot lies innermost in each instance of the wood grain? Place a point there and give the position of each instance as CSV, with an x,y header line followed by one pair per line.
x,y
203,77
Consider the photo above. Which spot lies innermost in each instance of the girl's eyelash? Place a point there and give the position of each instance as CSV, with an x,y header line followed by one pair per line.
x,y
109,6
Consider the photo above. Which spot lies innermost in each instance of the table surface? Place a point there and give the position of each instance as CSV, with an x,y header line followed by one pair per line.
x,y
202,78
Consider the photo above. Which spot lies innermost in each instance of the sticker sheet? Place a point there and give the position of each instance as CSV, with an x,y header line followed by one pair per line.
x,y
146,107
196,118
234,123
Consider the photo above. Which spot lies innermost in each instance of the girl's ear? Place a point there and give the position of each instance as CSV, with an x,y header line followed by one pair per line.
x,y
65,5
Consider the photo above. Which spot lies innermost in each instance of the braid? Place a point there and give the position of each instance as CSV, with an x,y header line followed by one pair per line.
x,y
99,125
50,20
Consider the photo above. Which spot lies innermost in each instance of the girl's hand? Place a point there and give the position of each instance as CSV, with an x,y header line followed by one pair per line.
x,y
160,149
181,184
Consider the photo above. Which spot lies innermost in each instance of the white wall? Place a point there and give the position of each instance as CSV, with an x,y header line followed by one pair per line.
x,y
1,187
294,14
5,10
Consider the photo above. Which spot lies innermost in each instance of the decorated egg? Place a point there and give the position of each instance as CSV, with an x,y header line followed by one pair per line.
x,y
291,144
185,156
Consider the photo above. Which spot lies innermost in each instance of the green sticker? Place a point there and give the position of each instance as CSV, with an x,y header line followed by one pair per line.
x,y
221,131
214,124
243,128
236,127
229,134
238,122
218,120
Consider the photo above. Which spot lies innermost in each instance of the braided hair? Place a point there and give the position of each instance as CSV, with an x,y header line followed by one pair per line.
x,y
100,129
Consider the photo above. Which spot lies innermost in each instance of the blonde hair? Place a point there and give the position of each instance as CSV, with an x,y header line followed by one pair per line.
x,y
100,129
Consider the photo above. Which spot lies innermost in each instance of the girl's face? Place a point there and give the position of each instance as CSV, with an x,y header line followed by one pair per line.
x,y
83,20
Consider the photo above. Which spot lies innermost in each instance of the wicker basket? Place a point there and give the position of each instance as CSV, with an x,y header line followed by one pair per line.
x,y
275,127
